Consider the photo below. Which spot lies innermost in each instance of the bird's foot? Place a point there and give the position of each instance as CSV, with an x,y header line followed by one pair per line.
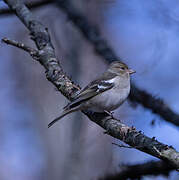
x,y
109,113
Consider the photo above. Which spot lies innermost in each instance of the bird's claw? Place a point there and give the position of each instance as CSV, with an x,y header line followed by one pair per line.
x,y
109,113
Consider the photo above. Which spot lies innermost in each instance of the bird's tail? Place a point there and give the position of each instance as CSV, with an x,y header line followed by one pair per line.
x,y
64,113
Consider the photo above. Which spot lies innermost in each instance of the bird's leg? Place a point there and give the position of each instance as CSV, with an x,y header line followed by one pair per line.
x,y
109,113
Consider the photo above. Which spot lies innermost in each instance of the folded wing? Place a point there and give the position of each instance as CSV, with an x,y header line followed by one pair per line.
x,y
93,89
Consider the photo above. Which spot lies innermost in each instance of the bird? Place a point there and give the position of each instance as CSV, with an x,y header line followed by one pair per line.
x,y
104,94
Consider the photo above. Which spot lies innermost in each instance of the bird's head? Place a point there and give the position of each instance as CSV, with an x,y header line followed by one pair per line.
x,y
120,68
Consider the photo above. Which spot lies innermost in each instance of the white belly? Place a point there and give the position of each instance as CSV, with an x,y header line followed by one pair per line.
x,y
109,100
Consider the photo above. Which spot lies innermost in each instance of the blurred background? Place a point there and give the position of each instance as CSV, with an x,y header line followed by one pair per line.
x,y
144,34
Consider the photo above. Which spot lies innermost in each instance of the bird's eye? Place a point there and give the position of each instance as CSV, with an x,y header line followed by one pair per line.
x,y
122,68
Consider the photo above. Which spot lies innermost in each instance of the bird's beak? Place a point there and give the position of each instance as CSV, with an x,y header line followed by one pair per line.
x,y
131,71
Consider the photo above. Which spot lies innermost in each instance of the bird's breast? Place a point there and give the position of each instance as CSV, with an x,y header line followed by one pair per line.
x,y
110,99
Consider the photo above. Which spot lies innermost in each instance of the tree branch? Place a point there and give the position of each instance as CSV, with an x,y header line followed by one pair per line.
x,y
137,171
156,105
30,5
31,51
92,34
55,74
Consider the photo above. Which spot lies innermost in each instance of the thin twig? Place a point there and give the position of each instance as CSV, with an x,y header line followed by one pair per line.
x,y
33,52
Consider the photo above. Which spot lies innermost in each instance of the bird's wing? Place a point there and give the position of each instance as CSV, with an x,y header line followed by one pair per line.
x,y
94,88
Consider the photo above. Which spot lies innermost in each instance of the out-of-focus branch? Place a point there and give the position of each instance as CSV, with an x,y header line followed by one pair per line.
x,y
137,171
92,34
30,5
156,105
46,56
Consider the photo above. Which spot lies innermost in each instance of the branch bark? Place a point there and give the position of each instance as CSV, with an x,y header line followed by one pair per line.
x,y
137,171
55,74
30,5
92,34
